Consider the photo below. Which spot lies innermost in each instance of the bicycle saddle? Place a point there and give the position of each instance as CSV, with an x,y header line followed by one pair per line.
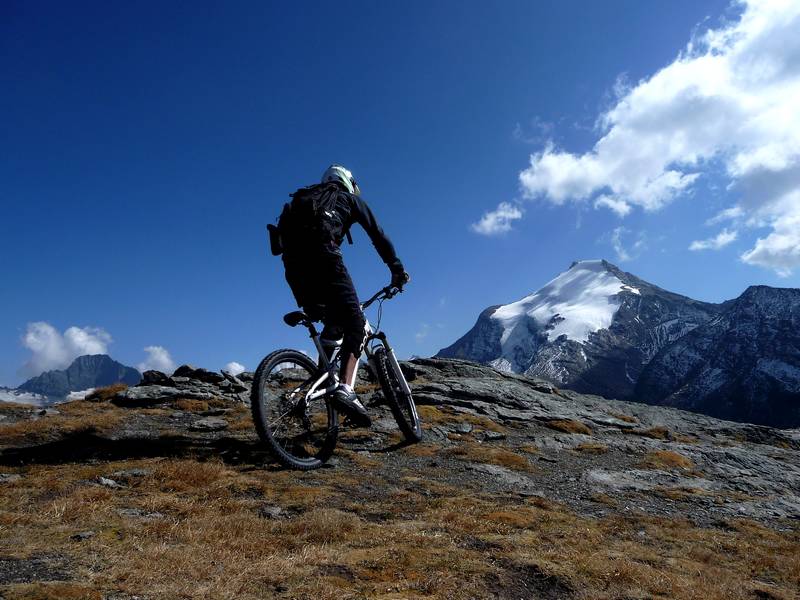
x,y
295,318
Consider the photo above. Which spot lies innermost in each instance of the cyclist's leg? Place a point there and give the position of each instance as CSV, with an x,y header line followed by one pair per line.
x,y
343,311
343,314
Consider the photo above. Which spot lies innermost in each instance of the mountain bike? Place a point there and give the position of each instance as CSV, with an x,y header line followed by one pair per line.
x,y
290,395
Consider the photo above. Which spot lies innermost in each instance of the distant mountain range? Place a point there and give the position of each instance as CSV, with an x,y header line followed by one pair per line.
x,y
599,330
89,371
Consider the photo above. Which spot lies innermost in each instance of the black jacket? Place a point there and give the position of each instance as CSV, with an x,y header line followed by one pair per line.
x,y
343,211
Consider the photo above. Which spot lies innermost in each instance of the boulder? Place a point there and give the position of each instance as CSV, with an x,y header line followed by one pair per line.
x,y
199,374
156,378
156,394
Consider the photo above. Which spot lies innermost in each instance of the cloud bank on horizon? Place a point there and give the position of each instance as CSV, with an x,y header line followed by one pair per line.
x,y
158,359
726,105
51,349
234,368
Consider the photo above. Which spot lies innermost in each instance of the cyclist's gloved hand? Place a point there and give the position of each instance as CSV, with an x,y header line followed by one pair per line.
x,y
399,278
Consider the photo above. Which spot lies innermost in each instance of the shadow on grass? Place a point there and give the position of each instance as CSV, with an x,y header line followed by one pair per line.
x,y
86,445
83,446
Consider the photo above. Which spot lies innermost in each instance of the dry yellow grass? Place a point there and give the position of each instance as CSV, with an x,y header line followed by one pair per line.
x,y
190,405
656,433
569,426
432,415
422,449
591,448
211,542
529,448
76,417
667,459
104,394
482,453
624,417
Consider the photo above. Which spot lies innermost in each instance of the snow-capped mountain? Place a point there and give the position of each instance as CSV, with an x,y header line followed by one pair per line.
x,y
593,329
743,365
599,330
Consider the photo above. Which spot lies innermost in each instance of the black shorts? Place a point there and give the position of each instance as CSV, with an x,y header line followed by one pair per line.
x,y
324,290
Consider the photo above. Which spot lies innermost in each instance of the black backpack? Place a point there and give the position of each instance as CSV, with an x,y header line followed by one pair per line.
x,y
309,221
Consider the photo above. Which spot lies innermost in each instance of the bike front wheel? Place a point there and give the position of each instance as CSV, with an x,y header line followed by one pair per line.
x,y
401,403
300,432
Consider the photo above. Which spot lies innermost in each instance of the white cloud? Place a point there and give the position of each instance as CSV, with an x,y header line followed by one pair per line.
x,y
50,349
620,207
719,241
729,99
234,368
423,332
158,359
625,254
499,220
734,213
780,250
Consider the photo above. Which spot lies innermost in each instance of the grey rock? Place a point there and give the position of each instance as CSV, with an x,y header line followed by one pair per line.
x,y
9,477
269,511
156,378
109,483
129,474
236,384
199,374
209,424
462,428
82,536
136,513
156,394
506,478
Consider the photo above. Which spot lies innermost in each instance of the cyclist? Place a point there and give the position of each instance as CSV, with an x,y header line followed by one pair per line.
x,y
312,227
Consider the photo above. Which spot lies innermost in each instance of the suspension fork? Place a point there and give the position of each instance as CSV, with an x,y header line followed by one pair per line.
x,y
392,361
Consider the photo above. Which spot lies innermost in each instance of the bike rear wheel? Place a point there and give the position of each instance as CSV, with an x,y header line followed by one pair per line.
x,y
400,402
301,434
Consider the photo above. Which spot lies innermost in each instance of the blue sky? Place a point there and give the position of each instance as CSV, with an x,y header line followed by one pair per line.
x,y
145,147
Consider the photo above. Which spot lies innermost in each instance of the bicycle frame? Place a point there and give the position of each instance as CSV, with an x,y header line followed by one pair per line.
x,y
328,365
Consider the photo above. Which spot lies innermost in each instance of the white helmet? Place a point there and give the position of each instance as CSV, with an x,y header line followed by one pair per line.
x,y
341,175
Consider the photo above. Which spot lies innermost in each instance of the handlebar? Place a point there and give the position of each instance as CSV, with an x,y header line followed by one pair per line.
x,y
384,294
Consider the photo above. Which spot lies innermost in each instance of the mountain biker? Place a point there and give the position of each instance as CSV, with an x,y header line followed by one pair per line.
x,y
312,228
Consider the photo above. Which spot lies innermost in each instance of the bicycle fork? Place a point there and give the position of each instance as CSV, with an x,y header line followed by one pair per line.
x,y
392,361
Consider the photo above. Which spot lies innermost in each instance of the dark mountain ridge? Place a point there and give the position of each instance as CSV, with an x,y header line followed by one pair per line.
x,y
89,371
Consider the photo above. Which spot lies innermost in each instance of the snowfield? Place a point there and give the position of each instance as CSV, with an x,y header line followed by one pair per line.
x,y
575,304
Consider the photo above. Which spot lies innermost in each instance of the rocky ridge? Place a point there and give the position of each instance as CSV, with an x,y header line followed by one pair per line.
x,y
186,382
742,365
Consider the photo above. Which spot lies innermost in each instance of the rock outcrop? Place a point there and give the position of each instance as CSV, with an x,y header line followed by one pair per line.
x,y
186,382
